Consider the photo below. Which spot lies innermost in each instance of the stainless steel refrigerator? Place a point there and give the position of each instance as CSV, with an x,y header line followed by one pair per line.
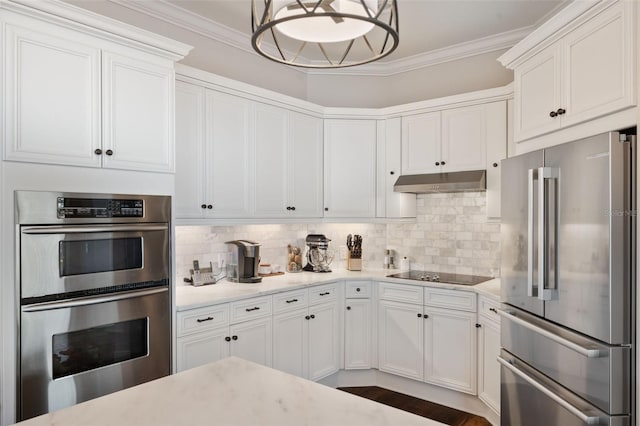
x,y
568,284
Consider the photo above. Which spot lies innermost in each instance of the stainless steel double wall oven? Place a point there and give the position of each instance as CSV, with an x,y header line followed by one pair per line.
x,y
95,311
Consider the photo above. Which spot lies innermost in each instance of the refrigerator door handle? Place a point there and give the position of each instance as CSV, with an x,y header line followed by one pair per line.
x,y
544,174
590,420
587,352
533,175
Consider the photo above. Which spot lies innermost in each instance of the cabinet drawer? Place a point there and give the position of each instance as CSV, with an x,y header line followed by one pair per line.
x,y
358,289
323,293
249,309
290,300
489,308
202,319
400,293
452,299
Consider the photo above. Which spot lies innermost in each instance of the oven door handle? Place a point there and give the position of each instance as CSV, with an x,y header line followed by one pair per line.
x,y
92,300
90,228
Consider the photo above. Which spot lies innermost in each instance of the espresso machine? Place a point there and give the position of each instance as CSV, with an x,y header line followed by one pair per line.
x,y
319,256
244,262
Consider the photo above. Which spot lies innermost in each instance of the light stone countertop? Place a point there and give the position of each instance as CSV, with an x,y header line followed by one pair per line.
x,y
190,297
230,392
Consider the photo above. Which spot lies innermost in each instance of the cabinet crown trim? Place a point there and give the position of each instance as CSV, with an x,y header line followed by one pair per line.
x,y
62,13
567,19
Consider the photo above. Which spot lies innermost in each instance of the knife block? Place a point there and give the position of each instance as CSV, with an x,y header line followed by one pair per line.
x,y
353,264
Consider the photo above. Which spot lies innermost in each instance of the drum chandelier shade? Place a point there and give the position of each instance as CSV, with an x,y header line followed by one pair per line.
x,y
324,33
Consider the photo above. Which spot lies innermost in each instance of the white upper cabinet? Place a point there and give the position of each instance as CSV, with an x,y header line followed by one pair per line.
x,y
450,140
190,195
228,154
52,94
288,169
350,168
464,138
496,129
75,97
585,73
305,155
138,113
391,204
421,143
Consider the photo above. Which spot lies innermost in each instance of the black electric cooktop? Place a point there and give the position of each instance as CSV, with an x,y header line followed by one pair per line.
x,y
442,277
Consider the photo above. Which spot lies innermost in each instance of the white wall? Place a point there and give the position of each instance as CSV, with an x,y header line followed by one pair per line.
x,y
449,78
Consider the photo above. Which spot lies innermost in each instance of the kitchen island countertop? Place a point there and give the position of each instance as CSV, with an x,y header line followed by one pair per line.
x,y
190,297
230,392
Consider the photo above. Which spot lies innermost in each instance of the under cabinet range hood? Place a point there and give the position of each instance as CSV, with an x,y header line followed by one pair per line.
x,y
468,181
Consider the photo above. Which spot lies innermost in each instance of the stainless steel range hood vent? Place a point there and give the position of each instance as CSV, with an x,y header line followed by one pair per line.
x,y
469,181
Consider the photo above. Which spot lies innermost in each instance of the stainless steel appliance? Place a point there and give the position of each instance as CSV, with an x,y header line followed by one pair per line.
x,y
460,279
245,260
319,257
95,311
568,284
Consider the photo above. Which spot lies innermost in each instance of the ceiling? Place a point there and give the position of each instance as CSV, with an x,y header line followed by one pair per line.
x,y
425,25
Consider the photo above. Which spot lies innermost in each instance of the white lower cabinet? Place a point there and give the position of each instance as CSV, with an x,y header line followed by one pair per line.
x,y
450,349
306,338
488,352
400,339
208,334
357,334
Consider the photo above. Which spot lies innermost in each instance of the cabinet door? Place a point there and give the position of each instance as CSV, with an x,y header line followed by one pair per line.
x,y
357,334
290,342
228,156
324,344
190,199
305,151
450,349
52,89
138,113
391,204
496,137
201,348
488,367
252,340
400,339
270,182
421,143
537,94
598,76
350,168
463,138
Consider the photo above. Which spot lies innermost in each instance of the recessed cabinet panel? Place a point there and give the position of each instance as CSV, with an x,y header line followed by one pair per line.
x,y
421,141
350,168
52,96
324,346
357,334
450,349
400,339
138,99
537,86
463,138
229,156
600,83
190,148
252,340
270,127
290,342
304,153
488,367
202,348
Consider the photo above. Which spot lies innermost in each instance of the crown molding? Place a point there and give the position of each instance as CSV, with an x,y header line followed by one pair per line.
x,y
451,53
176,15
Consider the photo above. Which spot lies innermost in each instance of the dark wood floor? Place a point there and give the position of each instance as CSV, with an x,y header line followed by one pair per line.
x,y
437,412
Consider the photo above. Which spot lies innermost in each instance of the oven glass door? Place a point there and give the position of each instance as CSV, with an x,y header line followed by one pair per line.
x,y
66,259
76,350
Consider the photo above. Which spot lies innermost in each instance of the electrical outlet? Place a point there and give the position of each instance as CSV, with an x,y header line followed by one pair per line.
x,y
343,252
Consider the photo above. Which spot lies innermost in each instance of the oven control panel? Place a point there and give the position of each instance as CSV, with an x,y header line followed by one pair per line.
x,y
99,208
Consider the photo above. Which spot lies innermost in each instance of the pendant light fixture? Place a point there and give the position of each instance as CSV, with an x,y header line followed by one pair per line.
x,y
324,33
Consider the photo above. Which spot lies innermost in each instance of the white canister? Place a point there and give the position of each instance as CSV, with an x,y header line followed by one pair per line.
x,y
405,264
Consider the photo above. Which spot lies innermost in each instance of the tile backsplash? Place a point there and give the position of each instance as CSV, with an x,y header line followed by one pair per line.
x,y
450,234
